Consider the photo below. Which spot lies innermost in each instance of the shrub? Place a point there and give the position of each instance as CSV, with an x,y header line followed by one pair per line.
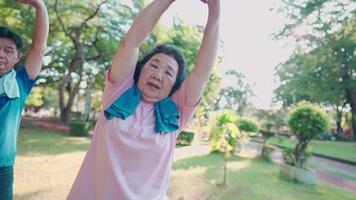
x,y
76,115
267,150
266,134
185,138
225,136
289,158
247,125
306,122
79,127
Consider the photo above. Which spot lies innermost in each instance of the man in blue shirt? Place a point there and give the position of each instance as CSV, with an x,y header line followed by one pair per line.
x,y
15,87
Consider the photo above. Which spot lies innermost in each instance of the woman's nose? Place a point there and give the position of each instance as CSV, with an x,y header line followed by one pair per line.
x,y
157,75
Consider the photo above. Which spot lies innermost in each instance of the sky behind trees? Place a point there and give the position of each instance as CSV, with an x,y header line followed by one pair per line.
x,y
246,30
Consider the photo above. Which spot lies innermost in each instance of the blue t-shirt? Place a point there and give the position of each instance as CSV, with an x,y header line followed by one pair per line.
x,y
10,117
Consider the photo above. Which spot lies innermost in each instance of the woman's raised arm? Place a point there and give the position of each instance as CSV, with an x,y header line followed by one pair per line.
x,y
205,60
126,56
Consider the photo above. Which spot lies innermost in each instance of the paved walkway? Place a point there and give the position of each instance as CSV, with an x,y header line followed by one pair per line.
x,y
333,172
197,148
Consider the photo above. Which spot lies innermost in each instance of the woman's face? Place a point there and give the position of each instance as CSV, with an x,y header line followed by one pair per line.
x,y
157,77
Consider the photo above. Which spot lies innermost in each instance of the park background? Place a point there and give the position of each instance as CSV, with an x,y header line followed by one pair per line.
x,y
272,56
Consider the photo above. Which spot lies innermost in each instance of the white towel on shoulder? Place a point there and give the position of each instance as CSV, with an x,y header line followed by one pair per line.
x,y
9,86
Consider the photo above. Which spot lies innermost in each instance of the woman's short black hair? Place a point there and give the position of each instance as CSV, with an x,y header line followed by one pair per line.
x,y
9,34
169,50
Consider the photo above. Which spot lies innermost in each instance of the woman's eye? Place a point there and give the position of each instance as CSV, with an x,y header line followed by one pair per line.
x,y
154,66
169,74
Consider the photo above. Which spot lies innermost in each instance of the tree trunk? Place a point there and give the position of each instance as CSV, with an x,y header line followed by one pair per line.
x,y
351,99
299,151
66,108
225,170
263,145
76,65
353,122
75,34
350,93
338,120
64,115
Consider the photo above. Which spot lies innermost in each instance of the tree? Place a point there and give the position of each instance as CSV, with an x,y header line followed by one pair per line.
x,y
267,133
235,96
319,77
225,136
273,120
86,47
322,67
82,43
306,122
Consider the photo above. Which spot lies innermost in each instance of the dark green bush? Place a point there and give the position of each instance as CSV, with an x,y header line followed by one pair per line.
x,y
247,125
267,150
267,134
306,122
185,138
289,158
76,115
79,127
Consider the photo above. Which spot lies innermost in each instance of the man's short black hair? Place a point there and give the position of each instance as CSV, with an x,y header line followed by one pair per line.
x,y
9,34
171,51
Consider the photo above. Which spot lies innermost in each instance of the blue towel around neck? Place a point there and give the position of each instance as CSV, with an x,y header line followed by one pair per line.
x,y
166,111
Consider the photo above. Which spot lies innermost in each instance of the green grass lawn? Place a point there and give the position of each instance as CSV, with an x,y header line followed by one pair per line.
x,y
48,162
247,179
342,150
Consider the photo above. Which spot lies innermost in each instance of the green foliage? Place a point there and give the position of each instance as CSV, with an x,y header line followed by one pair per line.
x,y
309,12
308,121
267,150
225,134
235,95
289,157
81,50
266,131
322,67
185,138
267,134
272,120
247,125
187,39
36,98
79,127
